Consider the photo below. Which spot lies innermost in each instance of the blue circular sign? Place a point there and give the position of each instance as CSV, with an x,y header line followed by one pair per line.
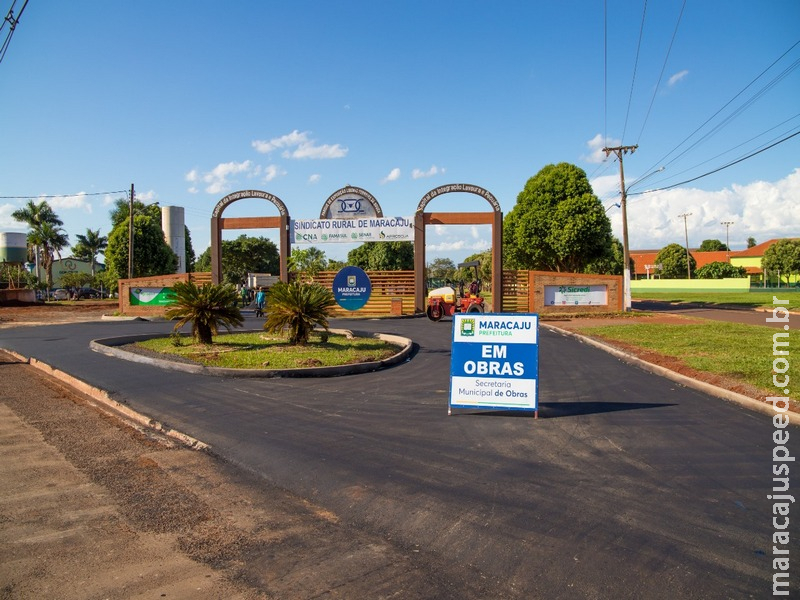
x,y
351,288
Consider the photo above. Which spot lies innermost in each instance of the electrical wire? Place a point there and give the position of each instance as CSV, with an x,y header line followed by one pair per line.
x,y
635,67
36,197
661,75
662,160
730,164
12,22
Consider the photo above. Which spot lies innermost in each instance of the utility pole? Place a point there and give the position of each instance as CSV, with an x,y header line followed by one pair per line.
x,y
727,243
686,231
130,236
619,151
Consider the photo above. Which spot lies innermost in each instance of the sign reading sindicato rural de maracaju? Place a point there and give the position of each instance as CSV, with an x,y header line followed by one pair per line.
x,y
495,361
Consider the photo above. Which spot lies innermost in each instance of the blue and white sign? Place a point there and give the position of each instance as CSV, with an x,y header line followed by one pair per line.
x,y
495,361
351,288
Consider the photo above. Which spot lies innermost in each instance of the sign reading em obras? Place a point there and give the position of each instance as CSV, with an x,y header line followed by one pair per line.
x,y
495,362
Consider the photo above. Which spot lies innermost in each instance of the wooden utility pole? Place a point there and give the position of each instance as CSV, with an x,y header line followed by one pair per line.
x,y
619,151
130,236
686,231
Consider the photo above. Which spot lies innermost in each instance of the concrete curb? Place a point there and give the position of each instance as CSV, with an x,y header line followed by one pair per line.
x,y
702,386
111,406
109,347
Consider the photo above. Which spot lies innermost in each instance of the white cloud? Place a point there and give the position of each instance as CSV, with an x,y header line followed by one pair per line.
x,y
434,170
314,178
677,77
80,201
304,146
7,222
218,180
271,172
596,145
763,210
393,175
147,197
294,138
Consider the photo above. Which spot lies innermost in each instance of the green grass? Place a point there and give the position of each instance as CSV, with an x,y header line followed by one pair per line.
x,y
742,299
742,352
262,351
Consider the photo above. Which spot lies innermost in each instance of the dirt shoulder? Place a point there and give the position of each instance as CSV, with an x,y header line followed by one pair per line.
x,y
91,507
51,313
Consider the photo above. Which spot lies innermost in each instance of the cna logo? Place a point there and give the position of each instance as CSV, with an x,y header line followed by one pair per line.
x,y
467,327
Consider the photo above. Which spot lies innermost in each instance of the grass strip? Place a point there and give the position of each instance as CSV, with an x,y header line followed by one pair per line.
x,y
741,352
262,351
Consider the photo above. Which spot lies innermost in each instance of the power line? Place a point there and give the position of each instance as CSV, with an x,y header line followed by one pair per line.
x,y
12,22
662,160
661,75
730,164
635,66
36,196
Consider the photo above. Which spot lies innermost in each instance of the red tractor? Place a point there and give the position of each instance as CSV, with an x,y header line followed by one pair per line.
x,y
446,301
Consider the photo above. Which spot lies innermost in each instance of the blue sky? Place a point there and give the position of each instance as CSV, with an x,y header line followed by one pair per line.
x,y
190,101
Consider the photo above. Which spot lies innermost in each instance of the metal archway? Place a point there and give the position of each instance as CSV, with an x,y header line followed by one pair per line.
x,y
494,218
218,224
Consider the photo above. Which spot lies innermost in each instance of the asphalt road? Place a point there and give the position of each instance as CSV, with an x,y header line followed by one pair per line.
x,y
627,486
729,315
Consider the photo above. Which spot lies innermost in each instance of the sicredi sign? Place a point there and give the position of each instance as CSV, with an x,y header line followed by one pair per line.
x,y
495,361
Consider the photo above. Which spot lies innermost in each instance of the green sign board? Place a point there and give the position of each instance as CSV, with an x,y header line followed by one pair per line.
x,y
143,296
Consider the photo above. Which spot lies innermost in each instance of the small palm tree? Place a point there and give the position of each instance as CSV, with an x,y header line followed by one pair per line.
x,y
89,246
298,307
206,308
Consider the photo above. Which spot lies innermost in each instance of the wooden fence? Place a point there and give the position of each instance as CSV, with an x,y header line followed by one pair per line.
x,y
392,293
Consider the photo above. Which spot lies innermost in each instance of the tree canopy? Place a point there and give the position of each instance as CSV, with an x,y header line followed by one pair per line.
x,y
151,253
309,261
672,259
711,246
45,233
242,256
784,257
720,270
383,256
89,246
557,224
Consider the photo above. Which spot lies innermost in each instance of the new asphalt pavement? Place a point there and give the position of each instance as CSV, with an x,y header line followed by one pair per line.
x,y
627,486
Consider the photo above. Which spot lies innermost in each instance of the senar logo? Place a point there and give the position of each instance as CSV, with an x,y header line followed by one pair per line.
x,y
467,327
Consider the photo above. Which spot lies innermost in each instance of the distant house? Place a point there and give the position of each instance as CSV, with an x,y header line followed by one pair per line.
x,y
645,261
750,259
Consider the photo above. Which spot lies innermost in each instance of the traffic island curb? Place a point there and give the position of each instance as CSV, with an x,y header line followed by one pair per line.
x,y
702,386
112,347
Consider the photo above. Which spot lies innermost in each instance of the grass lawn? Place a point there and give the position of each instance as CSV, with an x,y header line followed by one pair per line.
x,y
262,351
743,299
742,352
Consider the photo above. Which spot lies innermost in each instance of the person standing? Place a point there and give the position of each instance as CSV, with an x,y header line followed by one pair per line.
x,y
261,298
245,296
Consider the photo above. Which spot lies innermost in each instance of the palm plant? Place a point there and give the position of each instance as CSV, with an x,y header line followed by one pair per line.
x,y
298,307
89,246
46,237
206,308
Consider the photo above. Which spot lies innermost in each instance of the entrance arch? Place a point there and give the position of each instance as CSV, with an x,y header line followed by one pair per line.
x,y
493,218
218,223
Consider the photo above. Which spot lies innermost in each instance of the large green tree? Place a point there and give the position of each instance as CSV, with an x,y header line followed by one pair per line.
x,y
383,256
242,256
784,257
89,246
45,236
558,224
672,259
151,253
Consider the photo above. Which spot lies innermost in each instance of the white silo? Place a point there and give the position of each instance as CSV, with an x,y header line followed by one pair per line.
x,y
13,247
175,233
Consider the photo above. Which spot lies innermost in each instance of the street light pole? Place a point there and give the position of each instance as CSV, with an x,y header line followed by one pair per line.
x,y
619,151
727,242
686,231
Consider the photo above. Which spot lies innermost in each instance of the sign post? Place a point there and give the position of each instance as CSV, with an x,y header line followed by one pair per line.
x,y
495,362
